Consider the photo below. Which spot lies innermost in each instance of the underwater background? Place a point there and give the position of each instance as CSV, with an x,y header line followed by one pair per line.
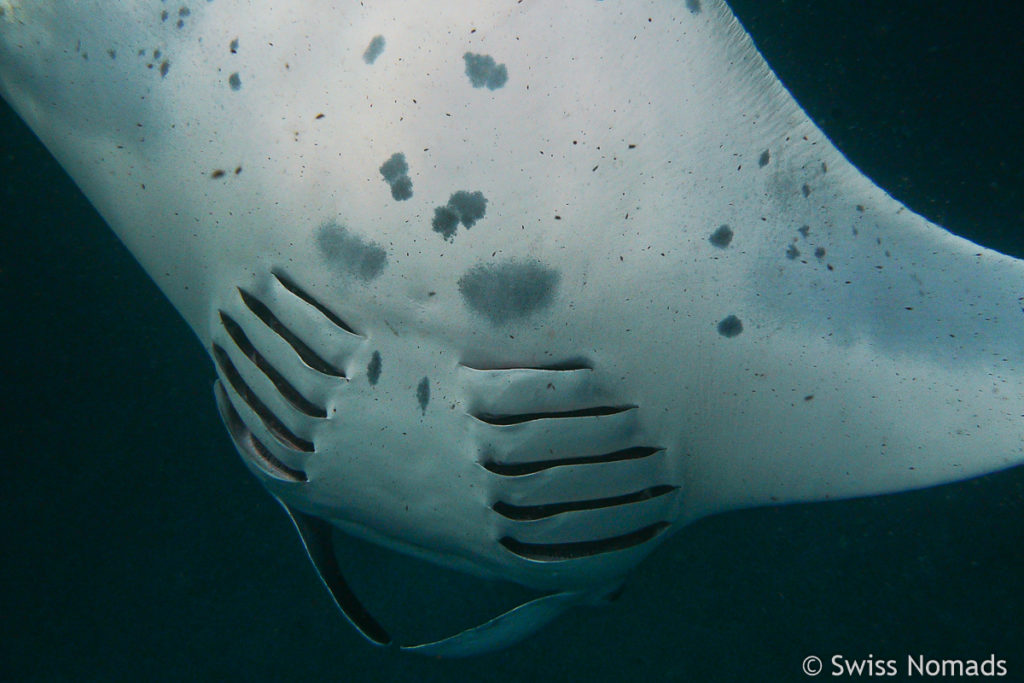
x,y
136,546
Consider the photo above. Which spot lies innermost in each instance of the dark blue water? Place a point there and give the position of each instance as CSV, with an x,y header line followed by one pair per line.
x,y
135,546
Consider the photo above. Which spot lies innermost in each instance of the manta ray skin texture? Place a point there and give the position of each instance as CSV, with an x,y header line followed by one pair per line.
x,y
503,294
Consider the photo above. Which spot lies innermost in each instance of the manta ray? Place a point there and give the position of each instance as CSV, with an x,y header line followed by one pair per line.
x,y
520,289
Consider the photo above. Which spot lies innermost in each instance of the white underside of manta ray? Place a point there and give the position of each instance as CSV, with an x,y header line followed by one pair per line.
x,y
522,287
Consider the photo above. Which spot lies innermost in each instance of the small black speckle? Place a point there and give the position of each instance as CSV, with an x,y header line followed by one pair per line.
x,y
792,252
374,49
693,6
860,208
484,71
510,289
721,237
112,54
766,156
809,397
235,81
804,230
218,173
730,327
373,369
423,393
238,169
164,15
820,252
181,23
233,46
806,189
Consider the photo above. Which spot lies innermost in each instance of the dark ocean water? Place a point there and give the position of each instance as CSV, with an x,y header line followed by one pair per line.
x,y
137,547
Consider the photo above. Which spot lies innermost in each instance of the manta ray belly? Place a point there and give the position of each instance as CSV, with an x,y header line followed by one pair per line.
x,y
540,475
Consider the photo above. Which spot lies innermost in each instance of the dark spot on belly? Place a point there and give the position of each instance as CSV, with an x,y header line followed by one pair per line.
x,y
374,49
396,174
730,326
373,368
721,237
483,71
445,222
504,291
350,254
766,156
423,393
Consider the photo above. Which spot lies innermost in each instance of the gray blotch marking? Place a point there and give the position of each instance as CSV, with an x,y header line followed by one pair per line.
x,y
165,66
350,254
766,156
374,49
463,207
396,174
445,222
792,252
373,368
721,237
483,71
804,230
470,206
423,393
693,6
507,290
730,327
235,81
401,189
806,189
394,168
820,252
234,46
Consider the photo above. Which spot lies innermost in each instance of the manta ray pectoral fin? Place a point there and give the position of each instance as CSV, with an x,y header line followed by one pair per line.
x,y
497,633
